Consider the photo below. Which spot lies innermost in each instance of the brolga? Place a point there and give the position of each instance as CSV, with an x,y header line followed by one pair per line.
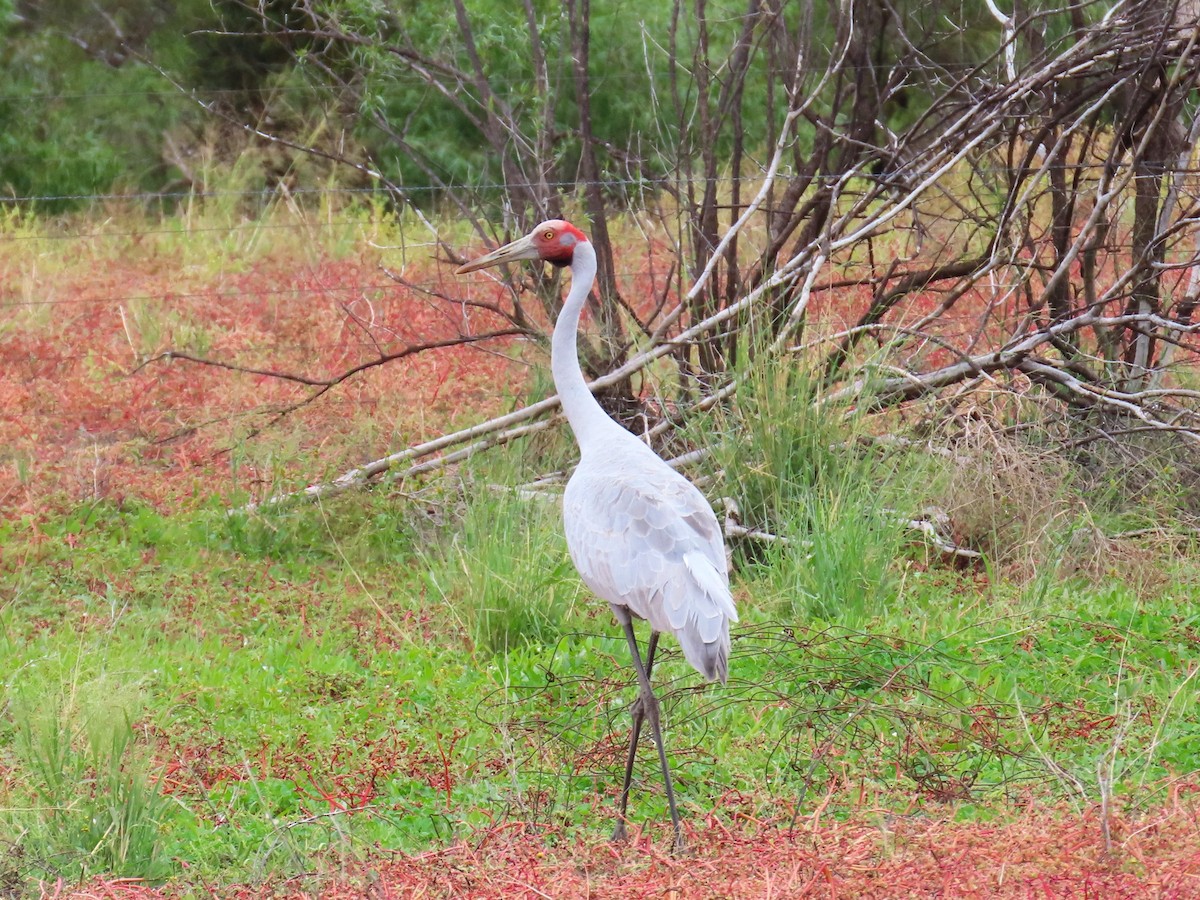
x,y
642,536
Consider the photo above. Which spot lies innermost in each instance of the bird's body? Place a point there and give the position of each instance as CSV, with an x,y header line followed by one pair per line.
x,y
645,539
642,536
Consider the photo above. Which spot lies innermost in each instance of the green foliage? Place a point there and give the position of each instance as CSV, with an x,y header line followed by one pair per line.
x,y
629,65
505,571
102,114
93,801
795,468
70,125
81,111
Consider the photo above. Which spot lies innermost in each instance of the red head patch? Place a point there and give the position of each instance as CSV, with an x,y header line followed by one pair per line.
x,y
556,240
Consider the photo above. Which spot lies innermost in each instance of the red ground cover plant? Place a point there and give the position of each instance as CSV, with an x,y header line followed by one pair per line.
x,y
1040,854
86,417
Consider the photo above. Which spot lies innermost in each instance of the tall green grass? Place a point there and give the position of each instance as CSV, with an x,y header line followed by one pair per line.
x,y
89,802
503,569
805,472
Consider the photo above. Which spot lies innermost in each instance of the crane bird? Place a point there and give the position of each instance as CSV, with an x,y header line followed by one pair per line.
x,y
642,536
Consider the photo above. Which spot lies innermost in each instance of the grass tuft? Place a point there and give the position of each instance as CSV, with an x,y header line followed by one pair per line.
x,y
505,572
797,469
89,803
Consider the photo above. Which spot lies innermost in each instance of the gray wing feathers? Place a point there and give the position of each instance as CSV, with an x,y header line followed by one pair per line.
x,y
649,542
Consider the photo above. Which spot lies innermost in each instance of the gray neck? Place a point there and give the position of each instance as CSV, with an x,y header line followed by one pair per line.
x,y
591,424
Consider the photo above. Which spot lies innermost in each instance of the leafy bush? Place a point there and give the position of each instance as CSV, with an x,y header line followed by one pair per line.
x,y
71,126
82,113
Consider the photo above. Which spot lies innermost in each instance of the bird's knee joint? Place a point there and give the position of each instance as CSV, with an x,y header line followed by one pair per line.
x,y
648,707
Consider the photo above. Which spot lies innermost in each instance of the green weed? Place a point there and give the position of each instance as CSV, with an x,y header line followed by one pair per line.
x,y
505,572
797,469
89,803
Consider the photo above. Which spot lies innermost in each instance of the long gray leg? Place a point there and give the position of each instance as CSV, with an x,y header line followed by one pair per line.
x,y
639,716
650,709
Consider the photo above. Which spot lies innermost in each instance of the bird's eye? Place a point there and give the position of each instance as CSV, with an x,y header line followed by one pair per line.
x,y
548,235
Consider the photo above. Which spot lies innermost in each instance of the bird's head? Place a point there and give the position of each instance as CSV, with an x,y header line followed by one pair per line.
x,y
553,241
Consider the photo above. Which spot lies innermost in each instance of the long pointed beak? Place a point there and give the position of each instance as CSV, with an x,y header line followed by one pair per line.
x,y
521,248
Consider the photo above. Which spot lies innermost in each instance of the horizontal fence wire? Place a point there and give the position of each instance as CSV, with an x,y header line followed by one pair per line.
x,y
382,285
209,295
608,77
182,232
646,182
843,273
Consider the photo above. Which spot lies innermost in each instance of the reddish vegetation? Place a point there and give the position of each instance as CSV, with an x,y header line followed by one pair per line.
x,y
1045,854
83,422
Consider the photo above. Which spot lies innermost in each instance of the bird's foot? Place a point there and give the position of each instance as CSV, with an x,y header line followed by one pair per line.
x,y
680,846
620,835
